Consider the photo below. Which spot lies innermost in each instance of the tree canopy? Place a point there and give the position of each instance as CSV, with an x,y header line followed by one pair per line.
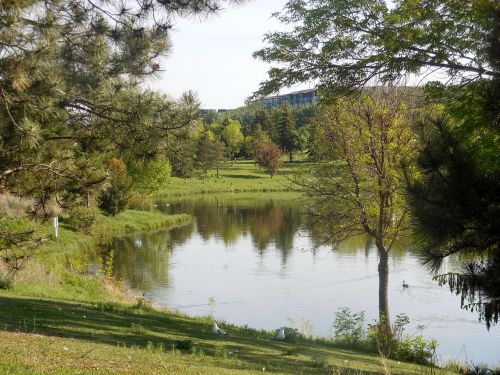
x,y
346,45
70,90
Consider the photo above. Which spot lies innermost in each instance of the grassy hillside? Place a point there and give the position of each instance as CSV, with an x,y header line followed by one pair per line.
x,y
43,336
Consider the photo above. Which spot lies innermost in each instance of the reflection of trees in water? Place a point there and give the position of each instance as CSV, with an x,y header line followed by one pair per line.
x,y
264,224
267,222
181,234
479,287
143,260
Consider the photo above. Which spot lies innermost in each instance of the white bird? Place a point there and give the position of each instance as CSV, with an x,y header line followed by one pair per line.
x,y
281,334
217,330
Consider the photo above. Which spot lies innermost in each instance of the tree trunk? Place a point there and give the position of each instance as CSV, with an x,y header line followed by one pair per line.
x,y
290,155
383,283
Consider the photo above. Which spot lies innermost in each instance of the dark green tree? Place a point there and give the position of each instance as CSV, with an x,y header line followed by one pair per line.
x,y
286,132
114,197
71,94
264,120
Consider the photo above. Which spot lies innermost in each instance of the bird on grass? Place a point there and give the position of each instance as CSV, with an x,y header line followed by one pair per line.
x,y
405,285
217,330
281,334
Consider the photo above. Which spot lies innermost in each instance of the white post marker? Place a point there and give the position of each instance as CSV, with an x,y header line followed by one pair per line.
x,y
56,226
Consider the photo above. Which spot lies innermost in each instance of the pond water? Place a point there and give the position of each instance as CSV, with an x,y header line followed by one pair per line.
x,y
250,259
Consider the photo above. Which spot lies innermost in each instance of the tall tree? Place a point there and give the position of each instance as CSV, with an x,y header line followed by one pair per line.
x,y
233,137
345,46
264,120
286,133
362,192
70,93
211,152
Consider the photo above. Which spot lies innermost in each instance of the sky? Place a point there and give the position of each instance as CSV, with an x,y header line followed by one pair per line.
x,y
213,57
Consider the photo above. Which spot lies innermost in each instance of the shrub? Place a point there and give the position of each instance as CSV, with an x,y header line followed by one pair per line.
x,y
5,282
350,329
83,219
114,198
292,335
413,349
141,202
184,344
349,326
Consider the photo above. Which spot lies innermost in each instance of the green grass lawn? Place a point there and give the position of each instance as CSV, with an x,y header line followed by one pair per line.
x,y
241,176
40,336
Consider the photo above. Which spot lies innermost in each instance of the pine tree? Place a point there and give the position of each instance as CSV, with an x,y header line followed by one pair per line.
x,y
70,89
286,132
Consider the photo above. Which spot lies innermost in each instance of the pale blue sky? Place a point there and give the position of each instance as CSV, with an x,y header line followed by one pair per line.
x,y
214,56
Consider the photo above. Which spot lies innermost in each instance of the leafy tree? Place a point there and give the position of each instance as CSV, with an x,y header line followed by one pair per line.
x,y
268,155
233,137
260,137
182,153
286,132
320,140
210,117
114,198
344,45
211,152
151,176
362,190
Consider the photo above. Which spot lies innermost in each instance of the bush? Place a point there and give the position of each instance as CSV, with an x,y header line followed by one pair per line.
x,y
350,327
141,203
414,349
350,330
184,344
5,282
83,219
114,198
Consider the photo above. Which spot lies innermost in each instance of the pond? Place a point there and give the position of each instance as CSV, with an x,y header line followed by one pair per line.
x,y
250,259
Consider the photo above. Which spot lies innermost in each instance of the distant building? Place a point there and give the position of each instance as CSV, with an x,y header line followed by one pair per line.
x,y
294,98
205,111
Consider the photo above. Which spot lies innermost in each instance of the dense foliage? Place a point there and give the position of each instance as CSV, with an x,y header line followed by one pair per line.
x,y
348,44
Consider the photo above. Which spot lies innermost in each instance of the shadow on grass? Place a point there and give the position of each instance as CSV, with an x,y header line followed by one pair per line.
x,y
119,325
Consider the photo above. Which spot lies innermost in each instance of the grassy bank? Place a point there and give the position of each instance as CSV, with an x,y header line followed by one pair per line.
x,y
61,266
55,337
242,176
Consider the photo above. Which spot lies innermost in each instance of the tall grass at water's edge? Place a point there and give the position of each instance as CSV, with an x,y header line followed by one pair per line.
x,y
60,268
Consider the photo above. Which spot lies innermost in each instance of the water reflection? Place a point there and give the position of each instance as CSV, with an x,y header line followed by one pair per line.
x,y
143,260
272,221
